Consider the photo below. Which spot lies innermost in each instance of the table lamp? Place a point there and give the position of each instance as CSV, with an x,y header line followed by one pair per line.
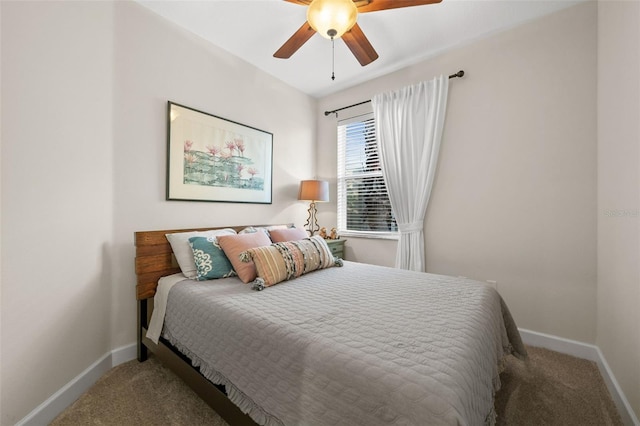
x,y
314,191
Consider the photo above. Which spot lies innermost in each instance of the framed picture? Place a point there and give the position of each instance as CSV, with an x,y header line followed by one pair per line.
x,y
213,159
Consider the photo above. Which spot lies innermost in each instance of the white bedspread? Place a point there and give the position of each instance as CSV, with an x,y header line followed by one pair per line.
x,y
357,345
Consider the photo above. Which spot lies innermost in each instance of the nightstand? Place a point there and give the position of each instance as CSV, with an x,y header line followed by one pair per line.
x,y
337,247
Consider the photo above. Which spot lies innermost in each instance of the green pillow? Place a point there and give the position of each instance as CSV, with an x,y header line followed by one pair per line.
x,y
210,260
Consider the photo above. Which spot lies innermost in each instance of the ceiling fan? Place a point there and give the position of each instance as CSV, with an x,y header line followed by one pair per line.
x,y
337,18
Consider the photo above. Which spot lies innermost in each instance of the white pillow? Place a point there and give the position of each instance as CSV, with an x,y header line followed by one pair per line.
x,y
252,229
183,252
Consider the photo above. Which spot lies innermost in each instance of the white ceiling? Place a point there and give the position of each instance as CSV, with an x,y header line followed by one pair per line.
x,y
255,29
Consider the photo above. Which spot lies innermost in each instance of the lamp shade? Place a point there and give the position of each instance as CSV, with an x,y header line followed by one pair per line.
x,y
332,18
314,190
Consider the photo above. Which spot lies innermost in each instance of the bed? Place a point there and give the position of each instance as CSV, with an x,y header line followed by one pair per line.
x,y
350,344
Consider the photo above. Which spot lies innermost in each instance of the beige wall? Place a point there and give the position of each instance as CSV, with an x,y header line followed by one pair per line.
x,y
515,195
619,193
85,86
57,198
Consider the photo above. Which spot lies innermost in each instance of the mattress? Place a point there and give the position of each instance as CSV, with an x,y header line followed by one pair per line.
x,y
356,345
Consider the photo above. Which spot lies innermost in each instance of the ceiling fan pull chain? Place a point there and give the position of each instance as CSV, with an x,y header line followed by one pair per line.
x,y
333,59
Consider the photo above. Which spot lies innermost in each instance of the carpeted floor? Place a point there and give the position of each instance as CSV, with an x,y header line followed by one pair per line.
x,y
554,389
549,389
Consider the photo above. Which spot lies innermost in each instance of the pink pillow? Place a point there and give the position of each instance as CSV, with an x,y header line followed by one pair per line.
x,y
288,234
233,245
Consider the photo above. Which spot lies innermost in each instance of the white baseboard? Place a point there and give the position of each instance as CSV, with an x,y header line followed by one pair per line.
x,y
559,344
123,354
44,413
591,353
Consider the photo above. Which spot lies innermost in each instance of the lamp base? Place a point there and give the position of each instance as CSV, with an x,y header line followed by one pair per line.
x,y
312,221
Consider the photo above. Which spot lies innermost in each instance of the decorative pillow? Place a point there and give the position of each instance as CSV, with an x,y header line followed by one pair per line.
x,y
272,227
253,230
182,250
286,260
267,230
210,260
287,234
233,245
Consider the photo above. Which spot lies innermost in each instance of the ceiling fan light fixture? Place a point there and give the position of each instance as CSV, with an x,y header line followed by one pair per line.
x,y
332,18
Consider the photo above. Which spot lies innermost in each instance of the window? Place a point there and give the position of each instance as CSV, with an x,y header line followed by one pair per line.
x,y
363,202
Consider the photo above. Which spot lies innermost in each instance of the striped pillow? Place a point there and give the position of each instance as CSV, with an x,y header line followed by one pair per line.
x,y
287,260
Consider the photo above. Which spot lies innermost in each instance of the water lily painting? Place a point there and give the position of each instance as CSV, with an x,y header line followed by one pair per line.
x,y
214,159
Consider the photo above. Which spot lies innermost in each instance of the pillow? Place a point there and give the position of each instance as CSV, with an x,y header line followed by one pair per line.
x,y
182,250
266,230
253,229
287,260
210,260
288,234
233,245
272,227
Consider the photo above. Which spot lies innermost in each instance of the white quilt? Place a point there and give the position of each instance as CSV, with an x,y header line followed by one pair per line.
x,y
357,345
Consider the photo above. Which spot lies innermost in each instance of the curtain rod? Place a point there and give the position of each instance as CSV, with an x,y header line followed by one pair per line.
x,y
335,111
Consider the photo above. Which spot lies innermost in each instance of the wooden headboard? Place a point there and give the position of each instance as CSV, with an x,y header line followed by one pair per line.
x,y
155,259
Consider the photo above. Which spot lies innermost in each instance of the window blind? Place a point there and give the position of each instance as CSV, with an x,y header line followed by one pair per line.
x,y
363,201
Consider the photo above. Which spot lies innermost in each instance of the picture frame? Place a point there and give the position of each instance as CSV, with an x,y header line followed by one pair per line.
x,y
210,158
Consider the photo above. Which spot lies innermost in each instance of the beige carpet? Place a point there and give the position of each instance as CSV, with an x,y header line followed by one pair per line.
x,y
554,389
549,389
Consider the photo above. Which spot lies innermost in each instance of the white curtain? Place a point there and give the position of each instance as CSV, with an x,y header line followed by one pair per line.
x,y
409,126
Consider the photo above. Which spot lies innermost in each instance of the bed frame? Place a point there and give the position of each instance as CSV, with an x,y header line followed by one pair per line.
x,y
155,259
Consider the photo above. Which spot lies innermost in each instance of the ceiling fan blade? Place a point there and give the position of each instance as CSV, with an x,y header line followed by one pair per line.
x,y
302,2
296,41
373,5
359,45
